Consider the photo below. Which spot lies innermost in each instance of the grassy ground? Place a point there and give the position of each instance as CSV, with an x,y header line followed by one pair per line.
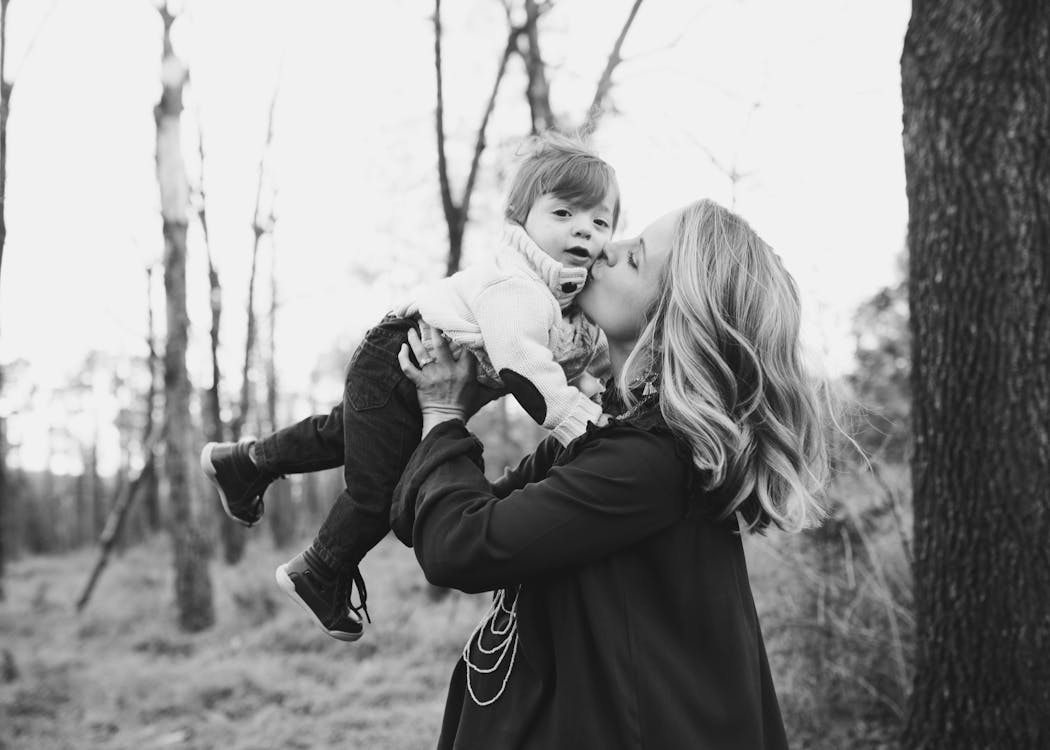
x,y
120,675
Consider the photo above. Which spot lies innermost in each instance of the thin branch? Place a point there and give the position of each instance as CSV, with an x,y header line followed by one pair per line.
x,y
447,203
601,91
259,223
456,214
32,42
479,143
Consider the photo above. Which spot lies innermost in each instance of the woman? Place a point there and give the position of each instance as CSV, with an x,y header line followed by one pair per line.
x,y
624,616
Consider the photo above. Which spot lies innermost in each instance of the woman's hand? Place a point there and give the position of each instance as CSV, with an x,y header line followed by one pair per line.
x,y
446,384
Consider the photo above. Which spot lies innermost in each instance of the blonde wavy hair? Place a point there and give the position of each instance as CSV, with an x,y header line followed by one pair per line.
x,y
722,342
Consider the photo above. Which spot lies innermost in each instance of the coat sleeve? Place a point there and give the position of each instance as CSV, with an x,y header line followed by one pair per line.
x,y
516,334
622,486
532,468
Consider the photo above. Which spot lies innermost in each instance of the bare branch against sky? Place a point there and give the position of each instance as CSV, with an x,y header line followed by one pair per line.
x,y
456,214
601,92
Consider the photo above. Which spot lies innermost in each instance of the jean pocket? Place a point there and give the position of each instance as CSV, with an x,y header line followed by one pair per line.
x,y
373,374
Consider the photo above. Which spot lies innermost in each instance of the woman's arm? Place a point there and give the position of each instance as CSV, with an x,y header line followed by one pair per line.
x,y
623,485
532,468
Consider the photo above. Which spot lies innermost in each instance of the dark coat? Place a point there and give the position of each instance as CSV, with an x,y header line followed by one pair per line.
x,y
635,619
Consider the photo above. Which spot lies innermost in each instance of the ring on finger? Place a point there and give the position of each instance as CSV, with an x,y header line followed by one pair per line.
x,y
426,361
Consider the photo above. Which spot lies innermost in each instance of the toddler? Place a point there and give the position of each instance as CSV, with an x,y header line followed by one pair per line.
x,y
514,313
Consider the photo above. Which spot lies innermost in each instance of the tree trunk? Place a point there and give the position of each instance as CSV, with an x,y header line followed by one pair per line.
x,y
193,590
281,511
537,91
151,489
976,86
5,102
232,535
5,108
3,496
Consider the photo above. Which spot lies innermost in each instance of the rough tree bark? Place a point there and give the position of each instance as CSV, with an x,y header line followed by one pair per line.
x,y
976,87
193,589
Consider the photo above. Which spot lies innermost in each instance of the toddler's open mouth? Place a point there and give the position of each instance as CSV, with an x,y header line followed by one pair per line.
x,y
578,252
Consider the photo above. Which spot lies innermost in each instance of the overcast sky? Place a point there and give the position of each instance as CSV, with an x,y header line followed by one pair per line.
x,y
802,98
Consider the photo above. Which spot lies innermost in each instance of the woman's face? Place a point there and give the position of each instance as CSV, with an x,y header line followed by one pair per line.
x,y
625,280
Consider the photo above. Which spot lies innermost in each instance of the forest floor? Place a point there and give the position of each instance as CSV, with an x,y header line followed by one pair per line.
x,y
120,675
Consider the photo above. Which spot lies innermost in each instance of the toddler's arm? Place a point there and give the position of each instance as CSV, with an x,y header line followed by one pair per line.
x,y
515,324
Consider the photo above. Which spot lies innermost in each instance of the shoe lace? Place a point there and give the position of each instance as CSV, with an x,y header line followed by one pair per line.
x,y
362,596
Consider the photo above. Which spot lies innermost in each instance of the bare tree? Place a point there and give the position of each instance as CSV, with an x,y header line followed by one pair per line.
x,y
281,513
151,490
263,220
537,92
522,39
232,535
115,521
600,100
6,89
976,95
5,108
458,212
193,589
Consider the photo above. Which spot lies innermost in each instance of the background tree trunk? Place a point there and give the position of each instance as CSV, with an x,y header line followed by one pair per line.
x,y
151,489
3,494
5,103
537,92
5,107
976,86
281,511
193,589
232,535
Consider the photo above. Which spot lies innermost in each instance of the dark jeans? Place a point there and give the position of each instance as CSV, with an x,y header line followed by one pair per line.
x,y
371,434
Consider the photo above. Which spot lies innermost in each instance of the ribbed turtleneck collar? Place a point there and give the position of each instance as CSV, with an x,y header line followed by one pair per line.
x,y
564,282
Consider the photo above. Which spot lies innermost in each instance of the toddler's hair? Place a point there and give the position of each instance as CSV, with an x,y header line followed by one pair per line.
x,y
561,165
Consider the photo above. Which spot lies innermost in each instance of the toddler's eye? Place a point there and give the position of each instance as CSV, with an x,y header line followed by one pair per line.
x,y
602,223
563,212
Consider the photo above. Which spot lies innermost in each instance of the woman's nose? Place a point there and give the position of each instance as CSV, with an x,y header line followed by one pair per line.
x,y
612,253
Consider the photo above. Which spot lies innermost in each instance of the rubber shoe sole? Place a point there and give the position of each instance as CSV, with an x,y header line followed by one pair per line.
x,y
288,586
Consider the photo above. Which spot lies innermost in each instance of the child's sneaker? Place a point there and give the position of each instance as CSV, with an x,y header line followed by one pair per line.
x,y
240,482
326,601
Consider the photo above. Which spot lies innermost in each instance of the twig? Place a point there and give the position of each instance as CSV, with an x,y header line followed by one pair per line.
x,y
601,91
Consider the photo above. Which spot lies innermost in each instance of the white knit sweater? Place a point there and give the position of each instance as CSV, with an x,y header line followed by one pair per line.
x,y
511,312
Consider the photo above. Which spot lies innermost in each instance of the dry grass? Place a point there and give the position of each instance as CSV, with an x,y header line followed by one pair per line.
x,y
121,675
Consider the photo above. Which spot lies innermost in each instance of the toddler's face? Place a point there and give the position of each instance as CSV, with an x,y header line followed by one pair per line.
x,y
571,234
